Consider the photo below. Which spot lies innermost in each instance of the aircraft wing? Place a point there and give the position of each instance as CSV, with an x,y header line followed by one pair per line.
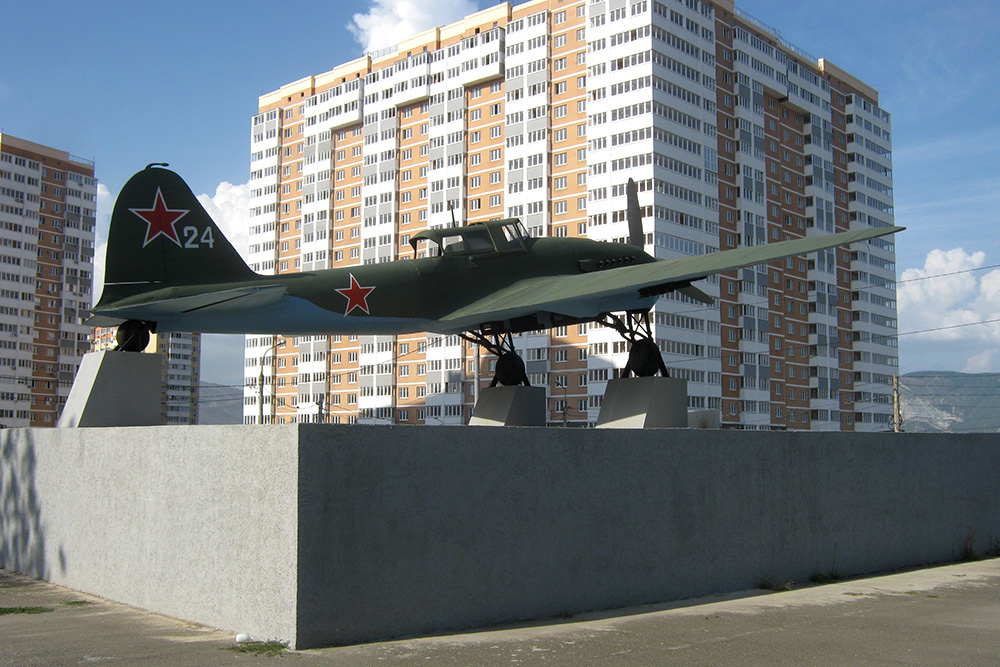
x,y
590,294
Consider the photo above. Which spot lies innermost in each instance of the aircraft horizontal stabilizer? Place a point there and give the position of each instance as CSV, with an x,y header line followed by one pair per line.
x,y
242,298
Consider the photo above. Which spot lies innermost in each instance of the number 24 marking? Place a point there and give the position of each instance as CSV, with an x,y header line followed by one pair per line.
x,y
191,239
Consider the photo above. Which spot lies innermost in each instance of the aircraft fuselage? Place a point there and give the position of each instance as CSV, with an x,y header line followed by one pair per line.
x,y
390,297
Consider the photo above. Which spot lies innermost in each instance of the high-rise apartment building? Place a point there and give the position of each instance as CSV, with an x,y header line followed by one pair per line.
x,y
48,212
542,112
181,370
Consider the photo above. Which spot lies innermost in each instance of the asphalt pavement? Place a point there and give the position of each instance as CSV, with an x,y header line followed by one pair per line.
x,y
946,615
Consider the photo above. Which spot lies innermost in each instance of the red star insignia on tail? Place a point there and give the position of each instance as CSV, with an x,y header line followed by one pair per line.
x,y
160,220
357,296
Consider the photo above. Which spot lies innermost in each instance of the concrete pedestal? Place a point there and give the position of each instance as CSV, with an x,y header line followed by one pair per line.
x,y
705,418
509,406
650,402
115,389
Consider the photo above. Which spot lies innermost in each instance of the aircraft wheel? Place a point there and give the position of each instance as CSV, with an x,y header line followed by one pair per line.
x,y
510,370
644,359
132,336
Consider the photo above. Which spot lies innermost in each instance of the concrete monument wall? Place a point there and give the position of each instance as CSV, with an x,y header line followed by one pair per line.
x,y
334,534
197,523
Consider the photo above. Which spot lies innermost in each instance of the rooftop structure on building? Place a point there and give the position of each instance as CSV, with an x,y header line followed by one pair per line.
x,y
48,209
542,111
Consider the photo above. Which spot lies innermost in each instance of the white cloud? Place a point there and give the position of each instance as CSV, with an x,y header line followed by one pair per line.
x,y
958,296
105,204
389,21
925,300
230,208
981,363
989,287
100,257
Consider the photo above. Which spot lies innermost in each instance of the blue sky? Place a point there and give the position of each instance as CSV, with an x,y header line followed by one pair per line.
x,y
126,84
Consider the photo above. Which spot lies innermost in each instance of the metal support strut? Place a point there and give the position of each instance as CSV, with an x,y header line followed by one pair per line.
x,y
644,358
510,367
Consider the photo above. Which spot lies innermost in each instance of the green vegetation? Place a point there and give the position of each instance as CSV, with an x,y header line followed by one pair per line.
x,y
77,603
24,610
269,648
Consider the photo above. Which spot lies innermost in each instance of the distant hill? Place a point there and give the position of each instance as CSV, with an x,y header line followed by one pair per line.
x,y
220,404
936,401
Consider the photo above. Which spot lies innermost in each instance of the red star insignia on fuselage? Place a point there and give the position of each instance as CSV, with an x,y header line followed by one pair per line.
x,y
160,220
357,296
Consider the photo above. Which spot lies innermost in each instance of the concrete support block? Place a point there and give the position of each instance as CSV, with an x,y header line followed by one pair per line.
x,y
509,406
707,418
115,389
650,402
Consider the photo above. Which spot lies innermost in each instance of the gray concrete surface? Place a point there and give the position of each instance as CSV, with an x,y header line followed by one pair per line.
x,y
510,406
946,615
115,389
195,523
325,535
421,530
644,402
82,629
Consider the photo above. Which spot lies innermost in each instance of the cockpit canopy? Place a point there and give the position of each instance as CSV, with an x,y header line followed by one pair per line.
x,y
478,238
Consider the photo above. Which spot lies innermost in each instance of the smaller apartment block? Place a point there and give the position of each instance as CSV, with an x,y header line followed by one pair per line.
x,y
48,209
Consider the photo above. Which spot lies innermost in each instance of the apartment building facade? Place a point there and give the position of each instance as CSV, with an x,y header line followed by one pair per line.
x,y
181,370
48,213
542,112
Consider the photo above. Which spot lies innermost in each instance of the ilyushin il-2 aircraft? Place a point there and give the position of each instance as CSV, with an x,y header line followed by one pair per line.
x,y
170,268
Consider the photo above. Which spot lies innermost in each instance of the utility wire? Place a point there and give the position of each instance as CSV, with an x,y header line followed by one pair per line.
x,y
952,326
950,273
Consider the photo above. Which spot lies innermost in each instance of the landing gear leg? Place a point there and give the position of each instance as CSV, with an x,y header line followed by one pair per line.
x,y
644,358
132,336
510,368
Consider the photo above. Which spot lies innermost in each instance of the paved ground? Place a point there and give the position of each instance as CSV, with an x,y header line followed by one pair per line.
x,y
936,616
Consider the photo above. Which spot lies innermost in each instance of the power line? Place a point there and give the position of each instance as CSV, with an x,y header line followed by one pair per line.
x,y
951,394
951,326
950,273
911,386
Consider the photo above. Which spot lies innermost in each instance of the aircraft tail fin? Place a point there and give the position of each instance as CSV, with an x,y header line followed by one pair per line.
x,y
634,214
161,236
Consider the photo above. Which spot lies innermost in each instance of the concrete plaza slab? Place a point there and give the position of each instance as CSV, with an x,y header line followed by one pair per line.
x,y
330,535
934,616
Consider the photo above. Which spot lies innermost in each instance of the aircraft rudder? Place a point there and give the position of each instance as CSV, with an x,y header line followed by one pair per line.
x,y
161,235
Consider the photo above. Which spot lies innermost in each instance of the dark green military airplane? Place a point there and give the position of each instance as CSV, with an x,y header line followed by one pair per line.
x,y
169,268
